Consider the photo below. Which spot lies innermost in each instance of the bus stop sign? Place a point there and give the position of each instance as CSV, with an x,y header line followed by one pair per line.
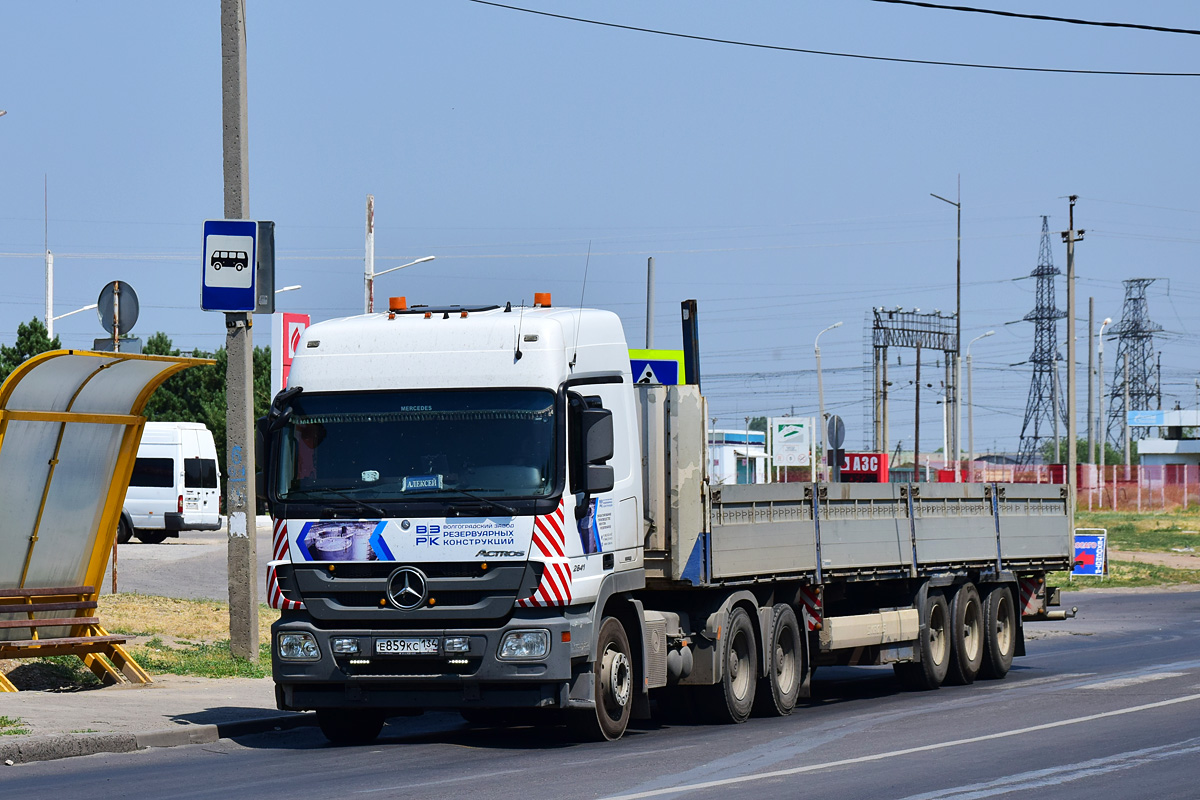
x,y
229,265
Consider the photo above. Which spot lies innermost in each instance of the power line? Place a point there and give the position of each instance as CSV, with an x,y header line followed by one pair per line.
x,y
1041,17
861,56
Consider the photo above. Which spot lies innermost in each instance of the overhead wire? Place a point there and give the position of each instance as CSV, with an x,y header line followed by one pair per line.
x,y
833,53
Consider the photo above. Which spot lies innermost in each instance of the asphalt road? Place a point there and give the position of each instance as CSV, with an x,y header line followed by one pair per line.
x,y
1106,705
194,566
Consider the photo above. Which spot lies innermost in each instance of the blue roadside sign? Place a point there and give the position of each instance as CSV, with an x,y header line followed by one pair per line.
x,y
230,254
1091,554
653,371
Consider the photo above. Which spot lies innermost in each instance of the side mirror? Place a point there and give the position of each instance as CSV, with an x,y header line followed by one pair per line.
x,y
596,426
599,478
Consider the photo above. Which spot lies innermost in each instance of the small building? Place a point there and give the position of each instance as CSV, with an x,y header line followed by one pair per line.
x,y
1155,452
737,457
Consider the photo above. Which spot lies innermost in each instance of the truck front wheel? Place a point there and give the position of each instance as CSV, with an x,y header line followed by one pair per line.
x,y
343,726
613,687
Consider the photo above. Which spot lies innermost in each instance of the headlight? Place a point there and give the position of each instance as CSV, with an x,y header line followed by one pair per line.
x,y
523,645
456,644
298,647
344,647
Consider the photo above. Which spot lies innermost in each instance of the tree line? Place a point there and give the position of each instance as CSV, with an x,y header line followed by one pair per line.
x,y
194,395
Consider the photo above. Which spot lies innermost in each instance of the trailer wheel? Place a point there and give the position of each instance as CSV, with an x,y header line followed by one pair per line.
x,y
1000,633
933,645
780,686
966,636
613,684
732,700
124,531
343,726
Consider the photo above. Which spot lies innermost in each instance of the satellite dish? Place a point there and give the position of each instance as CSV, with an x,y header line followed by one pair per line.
x,y
127,306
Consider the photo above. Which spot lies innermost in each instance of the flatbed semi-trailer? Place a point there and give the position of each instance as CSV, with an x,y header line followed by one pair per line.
x,y
477,509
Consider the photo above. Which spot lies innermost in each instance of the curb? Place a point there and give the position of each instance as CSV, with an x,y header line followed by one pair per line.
x,y
68,745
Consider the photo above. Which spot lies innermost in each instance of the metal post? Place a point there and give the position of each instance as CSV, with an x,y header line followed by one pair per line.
x,y
369,262
917,420
970,423
116,316
1125,426
1091,404
650,303
49,294
239,344
1054,412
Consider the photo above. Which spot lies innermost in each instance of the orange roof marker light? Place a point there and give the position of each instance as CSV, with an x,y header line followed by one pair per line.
x,y
397,304
541,300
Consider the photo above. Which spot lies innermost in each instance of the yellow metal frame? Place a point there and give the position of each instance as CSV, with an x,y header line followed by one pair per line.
x,y
105,537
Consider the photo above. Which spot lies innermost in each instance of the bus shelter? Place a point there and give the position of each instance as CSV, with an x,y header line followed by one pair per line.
x,y
70,425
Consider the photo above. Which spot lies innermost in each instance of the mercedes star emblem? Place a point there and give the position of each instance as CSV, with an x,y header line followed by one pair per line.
x,y
407,588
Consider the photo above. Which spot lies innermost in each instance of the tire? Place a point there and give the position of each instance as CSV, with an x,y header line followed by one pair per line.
x,y
933,646
732,700
613,688
124,531
150,537
779,688
343,726
999,633
966,636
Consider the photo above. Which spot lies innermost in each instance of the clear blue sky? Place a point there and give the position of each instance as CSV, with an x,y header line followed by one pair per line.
x,y
783,191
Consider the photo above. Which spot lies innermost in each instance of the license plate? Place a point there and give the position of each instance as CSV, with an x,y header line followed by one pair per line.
x,y
192,504
408,646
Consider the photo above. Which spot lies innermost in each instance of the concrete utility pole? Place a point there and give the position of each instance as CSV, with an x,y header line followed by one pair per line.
x,y
1125,422
971,410
49,258
650,303
917,421
239,344
369,300
1071,236
1100,393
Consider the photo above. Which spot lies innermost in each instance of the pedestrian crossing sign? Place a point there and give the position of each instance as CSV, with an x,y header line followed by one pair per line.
x,y
662,367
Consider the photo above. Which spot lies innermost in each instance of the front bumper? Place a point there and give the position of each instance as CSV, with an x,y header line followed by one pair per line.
x,y
443,681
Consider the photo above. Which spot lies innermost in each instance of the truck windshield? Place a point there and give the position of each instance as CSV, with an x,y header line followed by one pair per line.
x,y
397,446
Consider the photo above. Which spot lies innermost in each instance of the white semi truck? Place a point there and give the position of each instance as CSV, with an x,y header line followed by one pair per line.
x,y
477,509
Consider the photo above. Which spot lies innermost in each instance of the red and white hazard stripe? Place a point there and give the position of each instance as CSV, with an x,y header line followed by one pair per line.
x,y
279,552
810,598
550,542
1033,596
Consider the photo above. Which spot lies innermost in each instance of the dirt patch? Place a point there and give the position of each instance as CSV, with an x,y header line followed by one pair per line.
x,y
1172,560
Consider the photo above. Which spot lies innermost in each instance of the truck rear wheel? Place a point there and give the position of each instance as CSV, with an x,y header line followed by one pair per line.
x,y
933,646
1000,633
613,687
780,686
343,726
732,700
966,636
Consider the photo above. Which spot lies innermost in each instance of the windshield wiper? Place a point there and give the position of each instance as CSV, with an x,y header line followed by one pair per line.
x,y
512,512
342,493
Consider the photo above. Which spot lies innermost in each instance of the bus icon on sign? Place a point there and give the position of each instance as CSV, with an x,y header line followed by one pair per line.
x,y
236,259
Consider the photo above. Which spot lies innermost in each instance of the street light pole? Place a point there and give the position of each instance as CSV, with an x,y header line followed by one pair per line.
x,y
373,275
821,391
955,395
971,411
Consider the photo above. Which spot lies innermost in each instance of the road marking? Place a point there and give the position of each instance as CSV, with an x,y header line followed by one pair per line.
x,y
1056,776
783,773
435,783
607,758
1121,683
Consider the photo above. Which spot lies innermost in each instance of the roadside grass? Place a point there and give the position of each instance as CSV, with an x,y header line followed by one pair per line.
x,y
1149,532
12,726
1124,574
200,659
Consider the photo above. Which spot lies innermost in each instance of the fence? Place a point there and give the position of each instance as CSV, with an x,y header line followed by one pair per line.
x,y
1114,487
